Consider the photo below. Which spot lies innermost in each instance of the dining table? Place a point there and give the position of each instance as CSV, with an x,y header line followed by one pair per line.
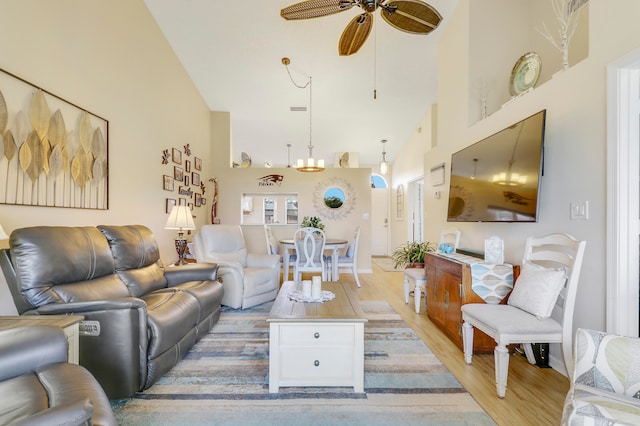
x,y
331,244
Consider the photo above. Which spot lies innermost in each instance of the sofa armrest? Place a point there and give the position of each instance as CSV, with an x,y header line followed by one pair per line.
x,y
116,352
191,272
263,260
26,349
75,413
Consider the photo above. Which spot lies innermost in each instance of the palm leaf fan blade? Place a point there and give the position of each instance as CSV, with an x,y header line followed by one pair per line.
x,y
411,16
315,8
4,114
40,114
57,129
355,34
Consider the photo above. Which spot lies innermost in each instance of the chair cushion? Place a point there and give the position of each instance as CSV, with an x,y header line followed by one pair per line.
x,y
351,250
537,289
507,319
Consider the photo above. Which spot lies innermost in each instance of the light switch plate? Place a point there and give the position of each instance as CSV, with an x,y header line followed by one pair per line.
x,y
579,210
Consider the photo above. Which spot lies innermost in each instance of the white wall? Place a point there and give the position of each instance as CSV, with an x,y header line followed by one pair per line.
x,y
575,146
110,58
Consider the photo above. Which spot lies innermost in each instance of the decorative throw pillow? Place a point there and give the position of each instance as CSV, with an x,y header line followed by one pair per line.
x,y
537,289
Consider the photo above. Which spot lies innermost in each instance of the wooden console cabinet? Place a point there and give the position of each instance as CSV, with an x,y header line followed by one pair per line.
x,y
448,288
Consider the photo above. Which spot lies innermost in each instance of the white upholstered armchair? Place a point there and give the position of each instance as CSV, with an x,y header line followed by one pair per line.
x,y
248,279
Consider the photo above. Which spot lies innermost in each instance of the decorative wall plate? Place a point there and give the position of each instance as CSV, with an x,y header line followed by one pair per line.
x,y
525,73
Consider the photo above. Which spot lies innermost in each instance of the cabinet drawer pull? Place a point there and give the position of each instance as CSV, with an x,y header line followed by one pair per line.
x,y
316,363
316,335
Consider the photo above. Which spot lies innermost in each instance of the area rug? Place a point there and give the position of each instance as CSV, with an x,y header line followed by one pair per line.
x,y
223,380
385,263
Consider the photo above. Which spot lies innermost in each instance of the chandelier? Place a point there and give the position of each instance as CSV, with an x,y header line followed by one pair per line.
x,y
311,164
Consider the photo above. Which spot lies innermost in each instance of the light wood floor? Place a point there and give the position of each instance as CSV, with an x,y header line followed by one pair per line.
x,y
534,395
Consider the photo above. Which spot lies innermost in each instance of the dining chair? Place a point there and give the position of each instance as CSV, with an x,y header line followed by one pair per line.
x,y
349,260
274,248
418,276
309,246
539,309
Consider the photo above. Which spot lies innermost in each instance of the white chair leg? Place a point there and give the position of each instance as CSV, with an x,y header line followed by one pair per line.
x,y
406,290
355,275
467,341
417,296
501,355
528,351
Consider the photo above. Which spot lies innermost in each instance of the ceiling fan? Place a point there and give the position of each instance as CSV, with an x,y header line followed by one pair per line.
x,y
412,16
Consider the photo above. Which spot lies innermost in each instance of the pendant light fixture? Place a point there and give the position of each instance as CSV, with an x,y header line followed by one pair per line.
x,y
384,165
311,164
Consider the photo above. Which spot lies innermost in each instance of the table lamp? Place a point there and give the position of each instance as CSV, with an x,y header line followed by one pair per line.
x,y
181,219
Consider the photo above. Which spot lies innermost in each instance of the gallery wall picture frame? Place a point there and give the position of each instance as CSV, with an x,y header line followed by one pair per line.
x,y
56,152
195,179
167,182
197,199
176,155
187,166
169,204
187,179
178,173
182,201
197,163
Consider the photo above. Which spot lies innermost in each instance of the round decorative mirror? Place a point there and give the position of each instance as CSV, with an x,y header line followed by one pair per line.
x,y
334,198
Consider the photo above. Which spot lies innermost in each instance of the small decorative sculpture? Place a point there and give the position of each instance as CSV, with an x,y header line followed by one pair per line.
x,y
214,203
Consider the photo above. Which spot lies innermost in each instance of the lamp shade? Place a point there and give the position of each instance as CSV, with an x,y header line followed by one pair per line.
x,y
180,218
3,235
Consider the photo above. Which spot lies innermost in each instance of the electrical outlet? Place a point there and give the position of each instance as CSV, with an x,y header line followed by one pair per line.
x,y
579,210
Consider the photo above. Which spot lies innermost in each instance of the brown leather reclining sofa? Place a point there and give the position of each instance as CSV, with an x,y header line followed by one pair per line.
x,y
140,317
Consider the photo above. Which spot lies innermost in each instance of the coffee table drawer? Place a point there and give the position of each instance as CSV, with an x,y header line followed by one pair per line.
x,y
315,366
317,335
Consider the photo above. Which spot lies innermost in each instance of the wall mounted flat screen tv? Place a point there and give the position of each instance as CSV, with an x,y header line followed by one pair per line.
x,y
498,178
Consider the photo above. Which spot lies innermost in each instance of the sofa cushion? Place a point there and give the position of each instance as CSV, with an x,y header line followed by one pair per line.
x,y
171,315
137,257
64,264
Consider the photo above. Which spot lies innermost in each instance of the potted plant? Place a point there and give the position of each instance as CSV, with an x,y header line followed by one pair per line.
x,y
312,222
411,255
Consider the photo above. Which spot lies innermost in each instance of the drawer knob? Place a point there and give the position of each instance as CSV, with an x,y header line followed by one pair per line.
x,y
316,363
316,335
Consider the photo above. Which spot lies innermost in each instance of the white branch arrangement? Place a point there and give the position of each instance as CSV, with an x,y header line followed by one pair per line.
x,y
566,12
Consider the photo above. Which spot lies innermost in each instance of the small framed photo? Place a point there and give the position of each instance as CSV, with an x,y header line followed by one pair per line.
x,y
197,199
182,201
169,204
190,206
197,163
178,173
167,183
176,156
203,201
187,166
195,178
186,180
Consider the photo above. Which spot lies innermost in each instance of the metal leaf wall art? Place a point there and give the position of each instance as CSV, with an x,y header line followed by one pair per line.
x,y
52,152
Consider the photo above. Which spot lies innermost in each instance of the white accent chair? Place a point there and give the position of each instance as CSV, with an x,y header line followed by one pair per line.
x,y
418,276
248,279
309,244
349,260
539,309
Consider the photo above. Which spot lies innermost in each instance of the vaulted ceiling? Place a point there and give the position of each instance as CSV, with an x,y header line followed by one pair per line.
x,y
233,52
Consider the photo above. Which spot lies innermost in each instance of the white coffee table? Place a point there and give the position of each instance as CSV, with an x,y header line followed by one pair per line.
x,y
316,344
